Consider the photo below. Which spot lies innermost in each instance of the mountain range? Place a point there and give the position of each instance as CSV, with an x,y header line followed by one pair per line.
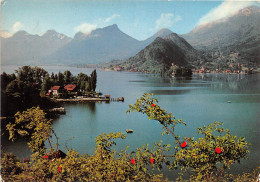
x,y
101,45
24,48
233,39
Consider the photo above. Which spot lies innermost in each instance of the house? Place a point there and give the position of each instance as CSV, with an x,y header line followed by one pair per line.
x,y
54,90
107,96
70,87
117,68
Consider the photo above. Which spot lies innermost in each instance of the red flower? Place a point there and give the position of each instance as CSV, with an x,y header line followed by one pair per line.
x,y
153,105
133,161
60,167
152,160
45,157
218,150
184,144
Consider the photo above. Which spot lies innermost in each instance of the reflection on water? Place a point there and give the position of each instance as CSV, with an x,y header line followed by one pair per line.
x,y
169,92
232,82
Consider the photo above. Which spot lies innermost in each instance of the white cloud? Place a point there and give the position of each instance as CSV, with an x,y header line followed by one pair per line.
x,y
85,28
166,21
5,34
225,9
111,18
3,2
17,26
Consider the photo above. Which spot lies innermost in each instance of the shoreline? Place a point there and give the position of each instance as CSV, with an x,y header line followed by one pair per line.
x,y
82,100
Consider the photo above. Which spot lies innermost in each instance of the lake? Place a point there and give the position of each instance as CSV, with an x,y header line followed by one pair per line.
x,y
199,101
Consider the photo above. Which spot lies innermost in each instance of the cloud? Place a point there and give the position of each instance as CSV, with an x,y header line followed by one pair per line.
x,y
85,28
3,2
111,18
17,26
225,9
166,21
5,34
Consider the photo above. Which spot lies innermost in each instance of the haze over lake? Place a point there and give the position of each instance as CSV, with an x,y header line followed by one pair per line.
x,y
199,101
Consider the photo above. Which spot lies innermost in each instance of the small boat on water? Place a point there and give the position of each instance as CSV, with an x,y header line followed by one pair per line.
x,y
229,101
129,131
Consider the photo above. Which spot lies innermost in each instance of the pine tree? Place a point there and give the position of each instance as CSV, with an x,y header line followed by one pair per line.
x,y
93,80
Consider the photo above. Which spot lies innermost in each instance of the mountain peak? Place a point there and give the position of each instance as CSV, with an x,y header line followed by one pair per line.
x,y
163,32
79,35
53,34
248,11
52,31
21,33
113,27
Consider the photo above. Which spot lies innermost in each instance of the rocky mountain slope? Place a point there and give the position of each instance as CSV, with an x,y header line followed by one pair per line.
x,y
161,54
233,39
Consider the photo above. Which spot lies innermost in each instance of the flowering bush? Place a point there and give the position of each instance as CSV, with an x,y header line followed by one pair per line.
x,y
207,157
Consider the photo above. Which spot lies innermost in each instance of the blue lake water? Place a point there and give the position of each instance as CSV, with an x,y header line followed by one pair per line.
x,y
198,101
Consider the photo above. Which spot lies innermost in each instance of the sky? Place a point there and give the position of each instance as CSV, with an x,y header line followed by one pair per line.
x,y
139,19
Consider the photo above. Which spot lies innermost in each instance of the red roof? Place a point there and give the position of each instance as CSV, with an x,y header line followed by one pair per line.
x,y
55,87
70,87
107,95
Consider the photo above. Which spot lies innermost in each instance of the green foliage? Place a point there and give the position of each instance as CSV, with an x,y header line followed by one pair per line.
x,y
6,79
93,80
148,106
68,78
47,83
61,80
9,166
23,91
32,125
31,74
104,165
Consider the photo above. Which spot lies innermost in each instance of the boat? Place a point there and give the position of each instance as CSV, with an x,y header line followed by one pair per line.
x,y
129,131
229,101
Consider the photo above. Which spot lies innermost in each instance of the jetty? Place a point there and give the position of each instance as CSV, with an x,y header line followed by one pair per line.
x,y
91,99
60,110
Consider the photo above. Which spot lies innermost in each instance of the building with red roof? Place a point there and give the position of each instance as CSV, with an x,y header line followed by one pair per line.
x,y
70,87
54,90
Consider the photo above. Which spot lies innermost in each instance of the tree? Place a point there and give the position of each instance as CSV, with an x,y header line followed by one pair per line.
x,y
31,74
6,79
60,79
32,125
52,76
93,80
207,157
46,84
15,87
82,79
39,74
68,77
